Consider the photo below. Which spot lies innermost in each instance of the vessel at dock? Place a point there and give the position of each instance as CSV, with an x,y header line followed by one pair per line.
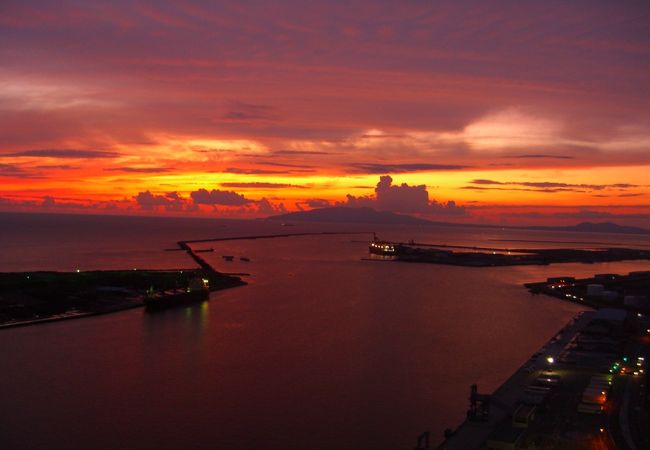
x,y
384,248
197,291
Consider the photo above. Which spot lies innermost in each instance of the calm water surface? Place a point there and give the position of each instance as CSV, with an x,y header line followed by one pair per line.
x,y
321,350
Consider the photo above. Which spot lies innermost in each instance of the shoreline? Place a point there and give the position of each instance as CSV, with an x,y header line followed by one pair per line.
x,y
473,256
81,315
471,435
221,280
550,397
63,316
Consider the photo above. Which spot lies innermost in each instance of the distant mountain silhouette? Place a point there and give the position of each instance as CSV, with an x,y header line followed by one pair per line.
x,y
590,227
350,215
344,214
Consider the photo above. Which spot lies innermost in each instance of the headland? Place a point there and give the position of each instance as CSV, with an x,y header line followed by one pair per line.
x,y
30,298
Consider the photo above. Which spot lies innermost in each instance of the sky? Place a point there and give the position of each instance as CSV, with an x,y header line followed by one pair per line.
x,y
507,112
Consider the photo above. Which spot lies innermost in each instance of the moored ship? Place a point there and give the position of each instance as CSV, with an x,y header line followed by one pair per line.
x,y
384,248
198,290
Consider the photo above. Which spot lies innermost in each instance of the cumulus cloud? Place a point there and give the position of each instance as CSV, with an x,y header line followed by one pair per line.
x,y
317,203
404,199
313,203
170,201
218,197
234,203
48,202
266,207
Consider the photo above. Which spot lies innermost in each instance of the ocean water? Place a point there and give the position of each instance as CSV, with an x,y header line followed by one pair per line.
x,y
321,350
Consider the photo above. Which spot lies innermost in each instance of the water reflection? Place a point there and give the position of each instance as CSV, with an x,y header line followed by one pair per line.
x,y
161,326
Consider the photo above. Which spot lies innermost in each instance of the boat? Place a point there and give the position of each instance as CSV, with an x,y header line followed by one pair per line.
x,y
228,257
379,247
245,259
382,248
204,250
198,290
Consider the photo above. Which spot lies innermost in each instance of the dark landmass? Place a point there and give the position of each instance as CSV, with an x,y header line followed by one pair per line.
x,y
343,214
606,290
416,253
29,297
589,227
350,215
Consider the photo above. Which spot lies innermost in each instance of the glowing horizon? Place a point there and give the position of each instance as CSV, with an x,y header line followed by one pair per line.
x,y
521,114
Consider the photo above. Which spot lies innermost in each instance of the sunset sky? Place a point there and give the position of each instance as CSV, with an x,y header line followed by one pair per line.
x,y
508,112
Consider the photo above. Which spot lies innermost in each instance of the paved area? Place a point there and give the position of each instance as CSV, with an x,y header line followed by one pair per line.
x,y
472,435
585,389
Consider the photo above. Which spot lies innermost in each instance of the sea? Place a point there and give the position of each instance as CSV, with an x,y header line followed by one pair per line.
x,y
322,349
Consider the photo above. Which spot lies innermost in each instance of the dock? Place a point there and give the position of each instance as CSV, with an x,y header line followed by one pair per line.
x,y
505,399
585,389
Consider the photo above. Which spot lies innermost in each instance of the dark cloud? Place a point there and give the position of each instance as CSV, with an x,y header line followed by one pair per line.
x,y
383,136
266,207
240,111
546,186
138,169
544,190
201,149
241,171
314,203
64,153
301,152
482,181
48,202
218,197
171,201
542,156
261,185
58,167
293,166
373,168
14,171
404,199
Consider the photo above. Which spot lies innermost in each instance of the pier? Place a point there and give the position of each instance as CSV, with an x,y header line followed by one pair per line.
x,y
472,434
585,389
489,257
